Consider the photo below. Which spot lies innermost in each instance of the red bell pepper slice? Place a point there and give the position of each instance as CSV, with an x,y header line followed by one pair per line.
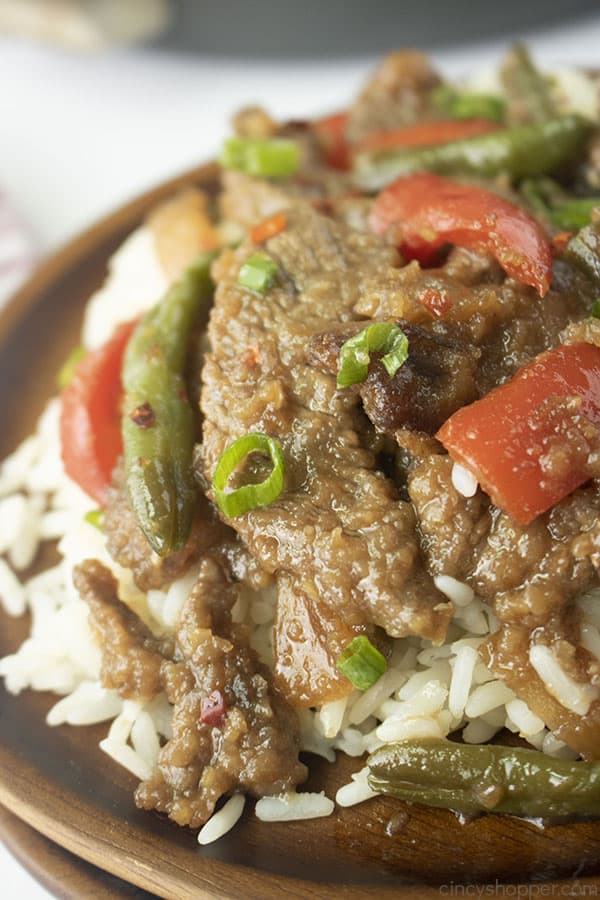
x,y
90,419
331,133
509,438
427,211
422,134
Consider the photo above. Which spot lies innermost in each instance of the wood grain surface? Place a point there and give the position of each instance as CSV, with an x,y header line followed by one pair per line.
x,y
59,782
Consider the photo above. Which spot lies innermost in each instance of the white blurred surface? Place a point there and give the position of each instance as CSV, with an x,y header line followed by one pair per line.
x,y
17,884
80,135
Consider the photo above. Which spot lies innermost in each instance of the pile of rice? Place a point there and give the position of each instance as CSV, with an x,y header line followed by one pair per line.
x,y
426,691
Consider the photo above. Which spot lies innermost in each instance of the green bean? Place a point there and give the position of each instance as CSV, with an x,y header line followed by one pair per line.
x,y
467,104
527,91
583,251
574,214
488,778
521,152
157,421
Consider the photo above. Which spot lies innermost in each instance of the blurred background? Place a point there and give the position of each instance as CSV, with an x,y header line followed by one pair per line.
x,y
101,99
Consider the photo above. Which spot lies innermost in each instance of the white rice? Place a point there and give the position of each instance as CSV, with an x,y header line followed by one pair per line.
x,y
290,806
464,481
223,820
427,690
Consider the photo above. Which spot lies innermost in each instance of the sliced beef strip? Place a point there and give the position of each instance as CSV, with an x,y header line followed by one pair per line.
x,y
309,638
526,572
338,530
530,575
131,656
246,200
507,654
128,546
181,228
438,377
253,747
397,93
507,321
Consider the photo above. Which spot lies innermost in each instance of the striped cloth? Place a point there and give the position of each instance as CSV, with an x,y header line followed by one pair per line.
x,y
16,250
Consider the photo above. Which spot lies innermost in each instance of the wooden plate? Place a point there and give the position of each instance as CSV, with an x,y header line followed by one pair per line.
x,y
58,781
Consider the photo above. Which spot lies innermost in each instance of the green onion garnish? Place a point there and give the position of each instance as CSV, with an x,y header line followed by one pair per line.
x,y
595,310
362,663
460,105
67,370
96,518
355,354
258,272
267,158
250,496
574,214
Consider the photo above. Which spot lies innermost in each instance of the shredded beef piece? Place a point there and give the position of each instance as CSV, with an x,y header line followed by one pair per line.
x,y
131,656
397,93
309,638
437,378
529,571
254,745
507,654
507,321
128,546
585,332
182,227
253,749
451,526
525,571
248,200
253,122
339,530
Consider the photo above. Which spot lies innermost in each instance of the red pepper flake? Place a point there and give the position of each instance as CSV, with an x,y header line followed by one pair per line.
x,y
268,228
560,241
252,357
212,709
143,416
436,300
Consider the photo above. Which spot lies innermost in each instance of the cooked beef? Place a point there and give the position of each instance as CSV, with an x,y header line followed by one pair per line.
x,y
128,546
309,638
253,122
249,743
526,572
131,656
246,200
508,321
438,377
339,531
507,653
252,747
397,93
182,227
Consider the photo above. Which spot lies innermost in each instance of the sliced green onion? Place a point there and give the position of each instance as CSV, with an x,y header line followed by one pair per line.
x,y
258,273
362,663
267,158
459,105
96,518
595,310
574,214
67,370
355,354
250,496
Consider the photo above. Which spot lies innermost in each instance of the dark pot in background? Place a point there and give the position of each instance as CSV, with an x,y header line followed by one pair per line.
x,y
325,28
